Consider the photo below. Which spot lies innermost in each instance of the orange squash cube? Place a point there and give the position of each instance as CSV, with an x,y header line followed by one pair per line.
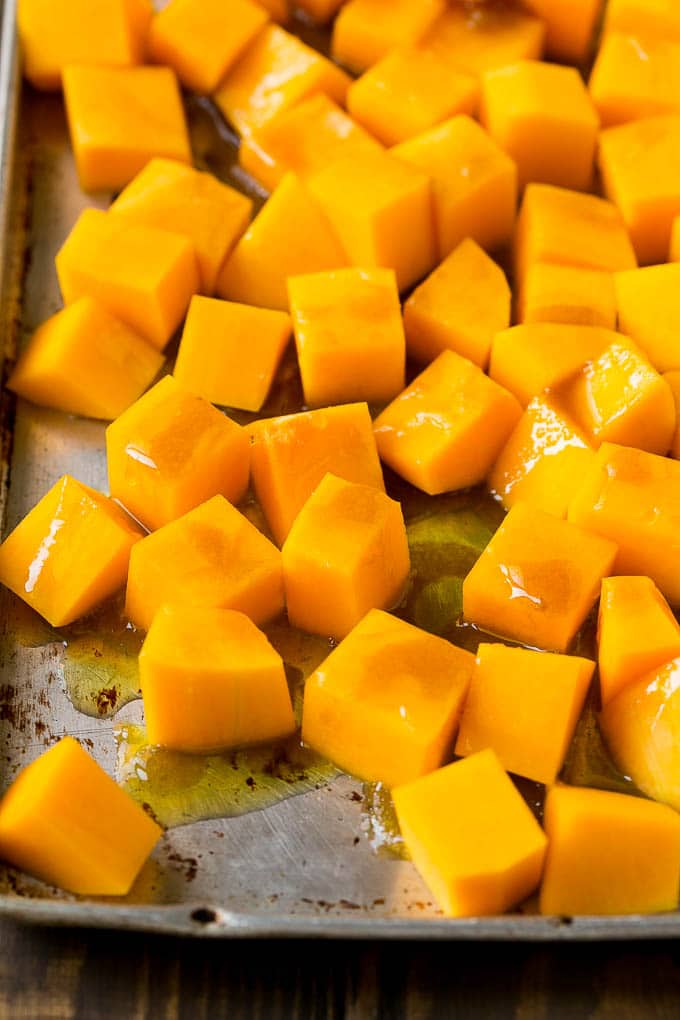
x,y
349,335
658,19
609,853
567,294
229,353
633,498
386,702
636,633
171,196
211,680
459,307
537,579
471,836
524,705
85,361
202,39
119,118
67,822
292,453
570,27
649,311
673,380
634,78
171,451
277,9
345,553
69,553
276,71
486,36
367,30
447,428
474,183
144,276
289,236
212,557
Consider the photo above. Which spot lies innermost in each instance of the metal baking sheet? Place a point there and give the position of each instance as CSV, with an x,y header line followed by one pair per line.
x,y
303,867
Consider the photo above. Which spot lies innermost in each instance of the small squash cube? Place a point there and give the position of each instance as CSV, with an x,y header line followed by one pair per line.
x,y
212,557
568,294
471,836
229,353
609,853
67,822
656,19
211,680
349,335
69,553
649,311
171,451
346,553
144,276
634,78
524,705
386,702
486,36
673,380
292,453
460,307
367,30
537,579
570,27
447,428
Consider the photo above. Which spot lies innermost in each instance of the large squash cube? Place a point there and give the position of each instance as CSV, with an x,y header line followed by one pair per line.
x,y
486,36
171,196
171,451
385,704
570,27
633,498
537,579
656,19
460,307
673,380
471,836
212,557
447,428
349,335
474,183
609,853
634,78
524,705
85,361
346,553
367,30
144,276
67,822
648,303
289,236
291,454
119,118
69,553
210,680
229,353
567,294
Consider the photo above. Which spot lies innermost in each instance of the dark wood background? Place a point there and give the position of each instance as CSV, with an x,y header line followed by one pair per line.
x,y
62,974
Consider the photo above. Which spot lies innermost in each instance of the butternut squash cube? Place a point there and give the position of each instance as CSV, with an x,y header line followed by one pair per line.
x,y
474,183
119,118
537,579
69,553
649,312
609,853
460,307
276,71
289,236
673,380
346,553
409,91
202,39
319,10
110,33
486,36
367,30
636,633
213,557
171,196
633,498
373,202
634,78
524,705
471,836
277,9
67,822
658,19
447,428
570,27
291,454
386,702
211,680
85,361
144,276
543,461
567,294
349,335
229,353
171,451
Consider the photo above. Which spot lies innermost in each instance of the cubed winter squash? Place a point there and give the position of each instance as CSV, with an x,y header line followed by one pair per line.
x,y
634,78
568,294
648,303
486,36
367,30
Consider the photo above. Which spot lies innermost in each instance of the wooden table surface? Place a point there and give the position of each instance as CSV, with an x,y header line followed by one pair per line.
x,y
58,974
